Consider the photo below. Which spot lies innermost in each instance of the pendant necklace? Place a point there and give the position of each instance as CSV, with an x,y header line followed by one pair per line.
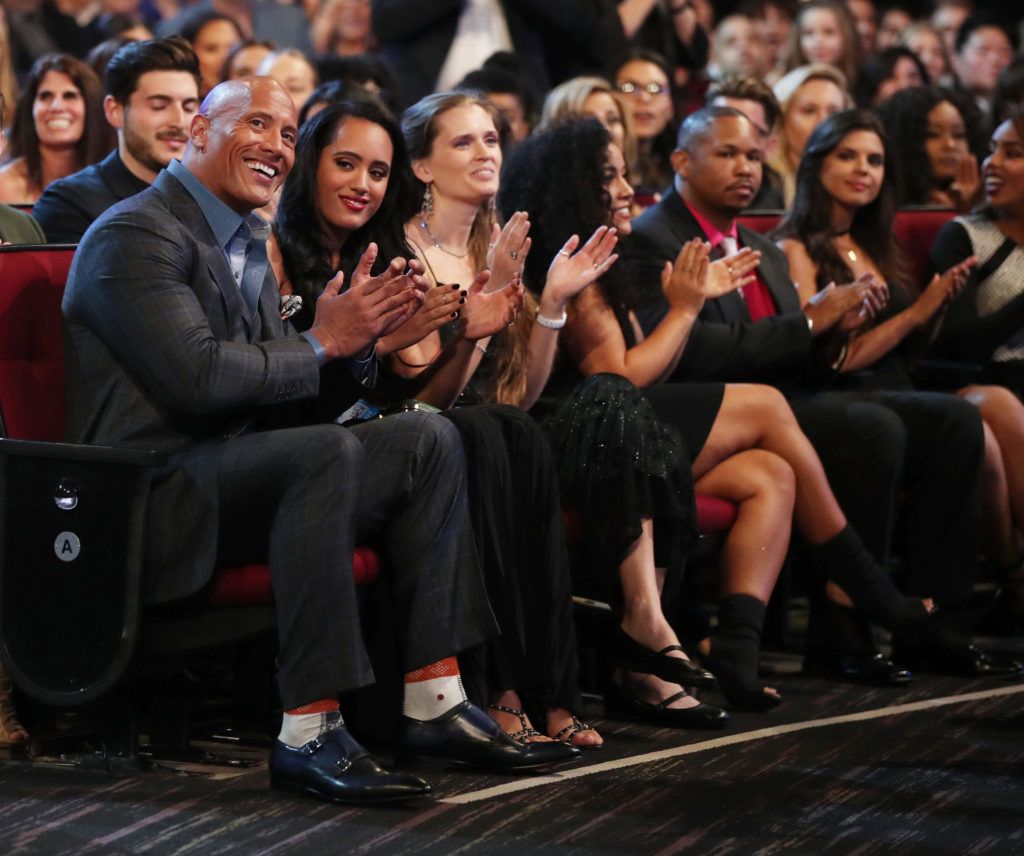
x,y
437,244
850,254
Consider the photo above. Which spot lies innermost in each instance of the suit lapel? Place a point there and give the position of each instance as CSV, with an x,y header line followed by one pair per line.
x,y
236,313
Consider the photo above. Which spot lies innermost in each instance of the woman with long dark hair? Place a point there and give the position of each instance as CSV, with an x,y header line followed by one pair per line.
x,y
739,442
350,182
58,128
841,226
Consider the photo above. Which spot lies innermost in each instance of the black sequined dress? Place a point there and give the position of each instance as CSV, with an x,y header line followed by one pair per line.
x,y
624,454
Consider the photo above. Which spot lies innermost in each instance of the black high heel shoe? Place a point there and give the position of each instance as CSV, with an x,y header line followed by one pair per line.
x,y
623,650
844,560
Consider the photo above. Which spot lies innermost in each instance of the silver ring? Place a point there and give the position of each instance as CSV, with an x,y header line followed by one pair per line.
x,y
514,255
596,265
563,253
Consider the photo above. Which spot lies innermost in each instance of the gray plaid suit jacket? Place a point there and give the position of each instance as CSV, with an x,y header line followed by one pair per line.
x,y
159,355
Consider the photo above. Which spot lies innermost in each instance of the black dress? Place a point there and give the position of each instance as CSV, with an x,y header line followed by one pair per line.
x,y
625,454
516,513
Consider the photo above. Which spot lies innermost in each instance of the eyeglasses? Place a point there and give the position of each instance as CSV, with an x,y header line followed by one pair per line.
x,y
631,87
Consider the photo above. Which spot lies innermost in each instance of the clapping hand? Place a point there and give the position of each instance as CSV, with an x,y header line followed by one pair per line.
x,y
348,323
943,289
683,282
571,271
441,305
506,254
488,312
732,272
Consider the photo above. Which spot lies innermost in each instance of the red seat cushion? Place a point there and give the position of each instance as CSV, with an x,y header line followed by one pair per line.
x,y
31,345
249,585
915,233
714,516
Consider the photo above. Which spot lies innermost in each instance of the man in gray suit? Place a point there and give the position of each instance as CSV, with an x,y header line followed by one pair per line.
x,y
175,342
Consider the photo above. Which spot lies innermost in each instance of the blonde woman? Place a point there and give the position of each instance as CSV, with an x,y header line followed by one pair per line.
x,y
596,97
807,95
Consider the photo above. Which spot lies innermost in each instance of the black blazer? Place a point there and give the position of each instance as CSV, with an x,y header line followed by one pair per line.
x,y
71,204
725,345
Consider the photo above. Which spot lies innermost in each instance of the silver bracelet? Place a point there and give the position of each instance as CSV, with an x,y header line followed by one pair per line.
x,y
481,348
553,323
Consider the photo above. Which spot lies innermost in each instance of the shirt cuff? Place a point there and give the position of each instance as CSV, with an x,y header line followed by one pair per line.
x,y
364,369
318,349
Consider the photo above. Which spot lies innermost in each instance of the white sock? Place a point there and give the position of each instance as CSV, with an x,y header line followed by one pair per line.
x,y
297,729
433,697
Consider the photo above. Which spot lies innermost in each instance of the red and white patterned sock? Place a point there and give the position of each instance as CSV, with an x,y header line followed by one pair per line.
x,y
302,724
433,690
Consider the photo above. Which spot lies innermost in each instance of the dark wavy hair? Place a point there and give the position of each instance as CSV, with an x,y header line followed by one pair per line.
x,y
880,67
810,218
905,119
96,139
299,227
557,176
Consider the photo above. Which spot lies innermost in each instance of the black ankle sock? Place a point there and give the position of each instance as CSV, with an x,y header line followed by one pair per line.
x,y
734,651
847,563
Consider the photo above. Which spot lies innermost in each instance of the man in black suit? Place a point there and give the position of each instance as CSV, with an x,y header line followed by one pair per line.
x,y
175,342
152,95
873,445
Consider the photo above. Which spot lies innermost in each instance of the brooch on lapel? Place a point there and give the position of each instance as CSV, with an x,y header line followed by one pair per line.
x,y
290,304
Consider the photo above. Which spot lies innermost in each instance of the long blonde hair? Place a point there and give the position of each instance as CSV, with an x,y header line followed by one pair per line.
x,y
8,82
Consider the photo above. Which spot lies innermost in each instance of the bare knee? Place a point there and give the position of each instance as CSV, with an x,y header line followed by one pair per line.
x,y
999,407
770,474
993,467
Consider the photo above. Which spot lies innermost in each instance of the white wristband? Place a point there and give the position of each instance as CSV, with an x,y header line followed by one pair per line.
x,y
553,323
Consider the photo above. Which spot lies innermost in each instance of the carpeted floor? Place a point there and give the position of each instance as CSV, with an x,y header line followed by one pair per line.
x,y
937,767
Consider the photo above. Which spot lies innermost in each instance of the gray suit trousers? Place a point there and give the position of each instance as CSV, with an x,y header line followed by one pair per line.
x,y
299,498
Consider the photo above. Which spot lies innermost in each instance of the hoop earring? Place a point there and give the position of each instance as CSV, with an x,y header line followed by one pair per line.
x,y
427,208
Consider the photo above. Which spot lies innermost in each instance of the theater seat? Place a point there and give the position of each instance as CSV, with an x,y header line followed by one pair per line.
x,y
916,230
70,571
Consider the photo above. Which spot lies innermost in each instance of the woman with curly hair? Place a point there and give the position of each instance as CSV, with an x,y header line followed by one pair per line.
x,y
597,98
58,128
350,182
840,227
739,442
934,134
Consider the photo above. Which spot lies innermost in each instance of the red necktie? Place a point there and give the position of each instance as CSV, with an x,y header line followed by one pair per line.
x,y
757,296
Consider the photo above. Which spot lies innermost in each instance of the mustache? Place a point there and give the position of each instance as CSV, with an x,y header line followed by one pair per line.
x,y
177,135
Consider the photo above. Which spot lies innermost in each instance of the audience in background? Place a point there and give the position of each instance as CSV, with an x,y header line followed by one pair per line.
x,y
947,18
884,74
938,140
736,49
924,40
58,127
824,33
293,71
502,82
807,96
891,25
983,48
244,58
644,81
152,95
212,36
342,27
